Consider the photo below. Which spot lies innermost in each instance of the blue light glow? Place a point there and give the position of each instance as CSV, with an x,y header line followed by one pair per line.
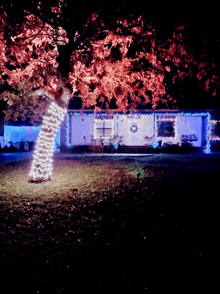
x,y
16,134
67,129
208,134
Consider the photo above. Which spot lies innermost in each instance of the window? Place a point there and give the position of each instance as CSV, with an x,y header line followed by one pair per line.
x,y
166,129
103,128
215,129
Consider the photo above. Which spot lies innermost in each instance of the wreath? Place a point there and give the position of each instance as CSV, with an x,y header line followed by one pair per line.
x,y
169,130
134,128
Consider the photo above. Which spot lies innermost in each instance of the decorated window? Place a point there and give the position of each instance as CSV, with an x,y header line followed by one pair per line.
x,y
165,129
215,129
103,128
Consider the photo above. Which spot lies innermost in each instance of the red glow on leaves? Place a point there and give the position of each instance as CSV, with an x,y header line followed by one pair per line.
x,y
214,93
207,87
136,30
31,53
106,78
96,71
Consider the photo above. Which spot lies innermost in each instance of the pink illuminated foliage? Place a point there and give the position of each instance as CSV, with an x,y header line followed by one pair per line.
x,y
137,74
26,61
128,64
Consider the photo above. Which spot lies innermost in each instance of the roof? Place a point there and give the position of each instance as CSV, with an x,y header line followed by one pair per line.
x,y
142,111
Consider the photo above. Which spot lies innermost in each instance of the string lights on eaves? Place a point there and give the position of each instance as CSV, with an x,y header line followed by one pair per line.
x,y
164,116
41,169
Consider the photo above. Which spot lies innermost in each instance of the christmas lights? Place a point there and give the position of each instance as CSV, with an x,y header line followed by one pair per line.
x,y
154,132
99,124
169,117
41,169
208,134
157,116
68,129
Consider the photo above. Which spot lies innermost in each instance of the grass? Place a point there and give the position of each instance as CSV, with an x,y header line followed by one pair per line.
x,y
107,224
71,178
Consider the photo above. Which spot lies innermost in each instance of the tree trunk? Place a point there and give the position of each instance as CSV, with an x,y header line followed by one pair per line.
x,y
41,168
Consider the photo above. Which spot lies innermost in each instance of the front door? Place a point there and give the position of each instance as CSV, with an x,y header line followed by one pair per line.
x,y
134,132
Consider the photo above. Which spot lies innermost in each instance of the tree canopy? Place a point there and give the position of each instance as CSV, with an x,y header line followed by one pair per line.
x,y
27,59
112,55
132,67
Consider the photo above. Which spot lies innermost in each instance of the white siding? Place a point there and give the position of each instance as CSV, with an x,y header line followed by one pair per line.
x,y
147,129
81,126
190,125
122,128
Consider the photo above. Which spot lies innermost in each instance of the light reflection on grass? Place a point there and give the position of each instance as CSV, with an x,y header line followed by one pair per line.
x,y
70,179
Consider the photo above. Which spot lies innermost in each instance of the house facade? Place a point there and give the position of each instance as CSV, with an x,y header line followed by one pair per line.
x,y
146,128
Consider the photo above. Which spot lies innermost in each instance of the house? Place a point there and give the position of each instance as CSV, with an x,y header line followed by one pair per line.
x,y
145,128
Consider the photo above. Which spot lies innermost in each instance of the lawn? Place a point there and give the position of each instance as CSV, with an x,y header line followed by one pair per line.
x,y
107,224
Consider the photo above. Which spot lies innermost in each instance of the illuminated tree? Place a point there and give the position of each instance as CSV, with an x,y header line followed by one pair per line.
x,y
28,68
130,66
26,61
122,61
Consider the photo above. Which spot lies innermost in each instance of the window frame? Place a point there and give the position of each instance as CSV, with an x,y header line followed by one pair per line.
x,y
172,124
104,128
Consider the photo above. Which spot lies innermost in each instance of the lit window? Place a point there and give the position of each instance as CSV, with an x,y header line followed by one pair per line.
x,y
215,129
103,128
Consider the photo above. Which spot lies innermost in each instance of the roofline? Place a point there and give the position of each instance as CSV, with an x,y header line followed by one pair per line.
x,y
142,111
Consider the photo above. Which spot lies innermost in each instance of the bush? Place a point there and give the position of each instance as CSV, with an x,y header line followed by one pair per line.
x,y
170,148
8,149
215,146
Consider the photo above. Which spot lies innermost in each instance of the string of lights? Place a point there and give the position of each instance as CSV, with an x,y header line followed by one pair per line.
x,y
208,134
68,129
154,131
163,116
41,168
